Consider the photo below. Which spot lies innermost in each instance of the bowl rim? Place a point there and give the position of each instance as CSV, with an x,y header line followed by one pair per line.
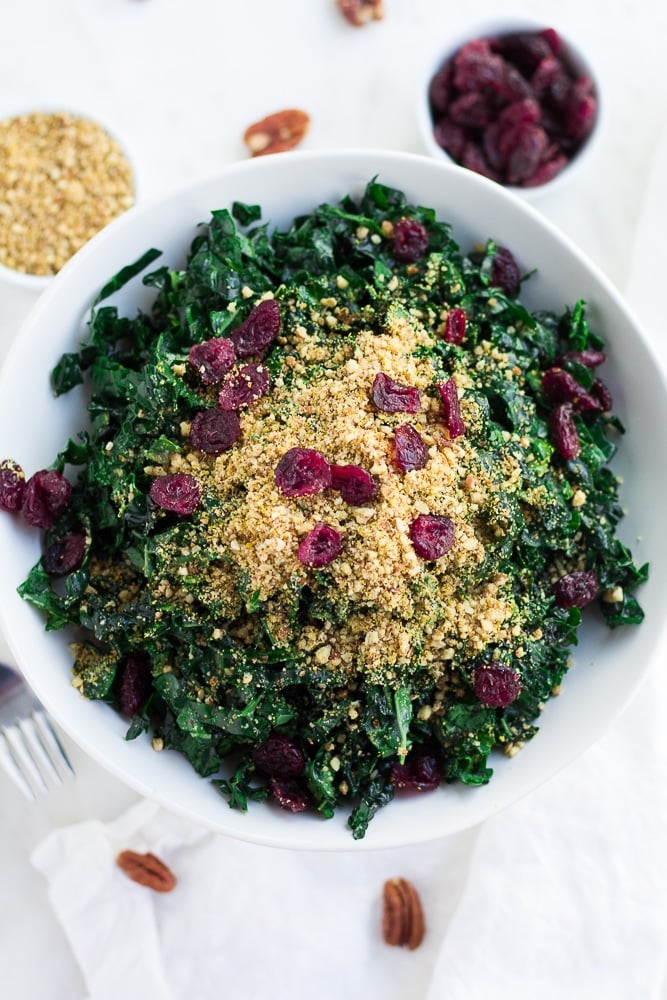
x,y
440,54
377,162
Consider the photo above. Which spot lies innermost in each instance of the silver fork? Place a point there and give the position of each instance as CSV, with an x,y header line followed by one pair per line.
x,y
30,752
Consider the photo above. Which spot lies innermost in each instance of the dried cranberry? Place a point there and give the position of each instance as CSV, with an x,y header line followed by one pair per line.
x,y
451,137
581,109
410,241
600,392
212,359
279,757
561,387
258,330
134,683
289,793
411,449
546,171
440,89
477,68
505,272
65,555
563,431
451,408
471,109
393,397
525,153
432,535
177,492
589,357
243,386
473,158
419,774
12,486
496,684
320,546
214,431
524,49
576,590
46,497
455,326
551,83
302,472
356,486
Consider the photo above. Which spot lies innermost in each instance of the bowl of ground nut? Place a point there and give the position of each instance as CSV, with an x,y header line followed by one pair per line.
x,y
63,177
329,507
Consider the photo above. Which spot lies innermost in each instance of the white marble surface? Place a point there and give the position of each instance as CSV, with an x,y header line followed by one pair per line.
x,y
178,83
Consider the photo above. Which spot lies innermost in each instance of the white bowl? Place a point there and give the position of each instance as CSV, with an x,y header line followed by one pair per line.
x,y
608,665
581,64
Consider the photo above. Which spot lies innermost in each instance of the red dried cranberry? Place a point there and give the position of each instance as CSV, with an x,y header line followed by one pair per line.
x,y
440,89
356,486
393,397
505,272
589,357
419,774
279,757
46,497
134,683
563,432
455,326
258,330
496,684
12,486
451,137
473,158
471,109
546,171
289,793
410,241
581,109
561,387
432,535
411,449
551,83
212,359
302,472
524,49
523,112
65,555
576,590
525,153
477,68
214,431
243,386
176,492
451,408
600,392
320,546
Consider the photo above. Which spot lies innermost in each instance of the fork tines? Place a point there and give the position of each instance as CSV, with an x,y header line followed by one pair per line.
x,y
33,756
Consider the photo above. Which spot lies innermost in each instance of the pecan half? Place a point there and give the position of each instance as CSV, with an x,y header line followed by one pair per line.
x,y
360,12
402,914
278,132
146,869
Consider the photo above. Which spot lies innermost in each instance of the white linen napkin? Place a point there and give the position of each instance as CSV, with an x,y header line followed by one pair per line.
x,y
560,896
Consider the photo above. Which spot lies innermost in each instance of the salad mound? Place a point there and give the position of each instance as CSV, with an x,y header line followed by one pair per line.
x,y
340,505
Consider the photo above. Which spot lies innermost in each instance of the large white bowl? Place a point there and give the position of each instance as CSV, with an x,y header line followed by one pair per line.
x,y
608,665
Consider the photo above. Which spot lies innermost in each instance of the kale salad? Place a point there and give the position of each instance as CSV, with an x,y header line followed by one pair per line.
x,y
339,506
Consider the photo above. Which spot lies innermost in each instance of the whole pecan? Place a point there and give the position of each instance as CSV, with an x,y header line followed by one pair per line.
x,y
146,869
360,12
277,132
402,914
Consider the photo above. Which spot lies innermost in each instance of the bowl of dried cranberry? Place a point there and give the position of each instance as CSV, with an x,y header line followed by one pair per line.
x,y
519,104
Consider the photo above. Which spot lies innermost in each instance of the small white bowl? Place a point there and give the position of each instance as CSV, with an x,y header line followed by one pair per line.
x,y
37,283
580,64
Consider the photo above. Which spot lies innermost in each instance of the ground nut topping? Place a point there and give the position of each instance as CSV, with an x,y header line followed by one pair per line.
x,y
62,178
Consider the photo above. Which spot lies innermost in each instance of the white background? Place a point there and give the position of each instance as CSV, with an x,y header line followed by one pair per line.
x,y
178,81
